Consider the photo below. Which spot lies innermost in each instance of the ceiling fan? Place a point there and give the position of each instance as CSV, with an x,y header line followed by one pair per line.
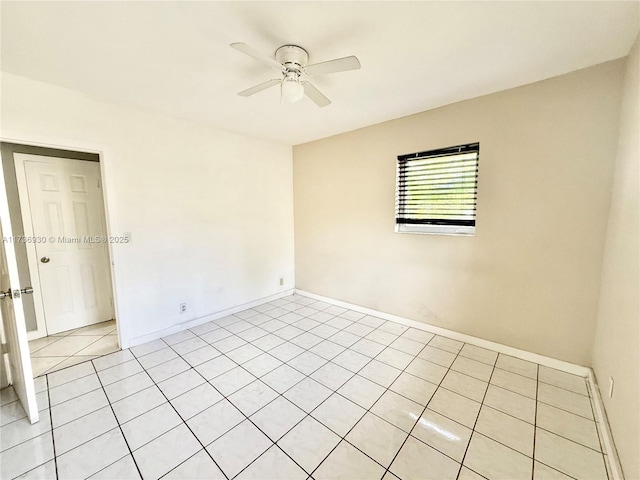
x,y
291,62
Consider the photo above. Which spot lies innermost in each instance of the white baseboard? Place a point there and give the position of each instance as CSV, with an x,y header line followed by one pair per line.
x,y
479,342
615,468
207,318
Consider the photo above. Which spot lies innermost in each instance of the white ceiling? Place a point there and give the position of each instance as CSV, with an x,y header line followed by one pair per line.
x,y
174,56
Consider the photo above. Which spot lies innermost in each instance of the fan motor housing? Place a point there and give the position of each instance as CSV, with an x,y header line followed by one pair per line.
x,y
292,56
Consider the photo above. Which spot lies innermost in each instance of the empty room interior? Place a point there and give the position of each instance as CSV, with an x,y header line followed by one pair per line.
x,y
320,240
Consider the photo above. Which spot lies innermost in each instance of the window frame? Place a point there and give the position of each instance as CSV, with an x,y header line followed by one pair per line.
x,y
437,226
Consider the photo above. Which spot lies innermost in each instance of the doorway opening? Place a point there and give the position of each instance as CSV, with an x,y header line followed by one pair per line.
x,y
60,237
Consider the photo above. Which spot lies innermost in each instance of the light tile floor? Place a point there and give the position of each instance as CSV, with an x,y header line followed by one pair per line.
x,y
65,349
298,388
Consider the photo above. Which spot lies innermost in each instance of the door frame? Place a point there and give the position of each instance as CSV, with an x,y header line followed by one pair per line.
x,y
105,154
32,257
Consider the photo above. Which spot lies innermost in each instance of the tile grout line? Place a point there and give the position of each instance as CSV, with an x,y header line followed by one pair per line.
x,y
81,416
292,386
292,358
385,347
14,421
525,376
189,458
542,428
53,438
387,469
345,348
386,389
343,437
536,427
77,354
538,401
364,337
535,379
67,357
570,440
204,447
335,391
308,350
563,388
44,346
119,427
309,305
527,397
305,375
54,459
224,397
473,429
264,352
368,410
460,352
556,470
47,372
309,414
565,411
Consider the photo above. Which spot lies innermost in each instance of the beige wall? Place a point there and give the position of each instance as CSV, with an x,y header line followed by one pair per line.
x,y
616,350
530,276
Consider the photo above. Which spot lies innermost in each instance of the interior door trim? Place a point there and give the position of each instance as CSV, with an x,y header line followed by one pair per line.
x,y
9,149
104,153
19,160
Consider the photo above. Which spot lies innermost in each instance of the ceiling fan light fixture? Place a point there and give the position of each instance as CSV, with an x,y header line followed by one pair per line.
x,y
292,90
292,62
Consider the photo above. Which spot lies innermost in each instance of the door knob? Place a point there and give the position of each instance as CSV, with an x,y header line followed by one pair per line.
x,y
16,293
45,259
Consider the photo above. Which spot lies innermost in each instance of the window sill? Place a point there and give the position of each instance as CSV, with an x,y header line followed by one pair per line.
x,y
436,230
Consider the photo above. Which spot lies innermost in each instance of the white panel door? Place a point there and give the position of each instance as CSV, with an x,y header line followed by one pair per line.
x,y
14,326
67,216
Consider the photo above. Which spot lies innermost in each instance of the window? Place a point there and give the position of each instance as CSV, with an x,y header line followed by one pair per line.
x,y
436,191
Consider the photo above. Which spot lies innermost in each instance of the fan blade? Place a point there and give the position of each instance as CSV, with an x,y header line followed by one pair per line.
x,y
333,66
316,95
252,52
258,88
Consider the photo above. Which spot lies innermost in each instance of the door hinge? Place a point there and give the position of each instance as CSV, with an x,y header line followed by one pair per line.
x,y
98,183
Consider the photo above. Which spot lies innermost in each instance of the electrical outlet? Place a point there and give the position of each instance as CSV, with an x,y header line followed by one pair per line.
x,y
610,387
281,281
183,307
